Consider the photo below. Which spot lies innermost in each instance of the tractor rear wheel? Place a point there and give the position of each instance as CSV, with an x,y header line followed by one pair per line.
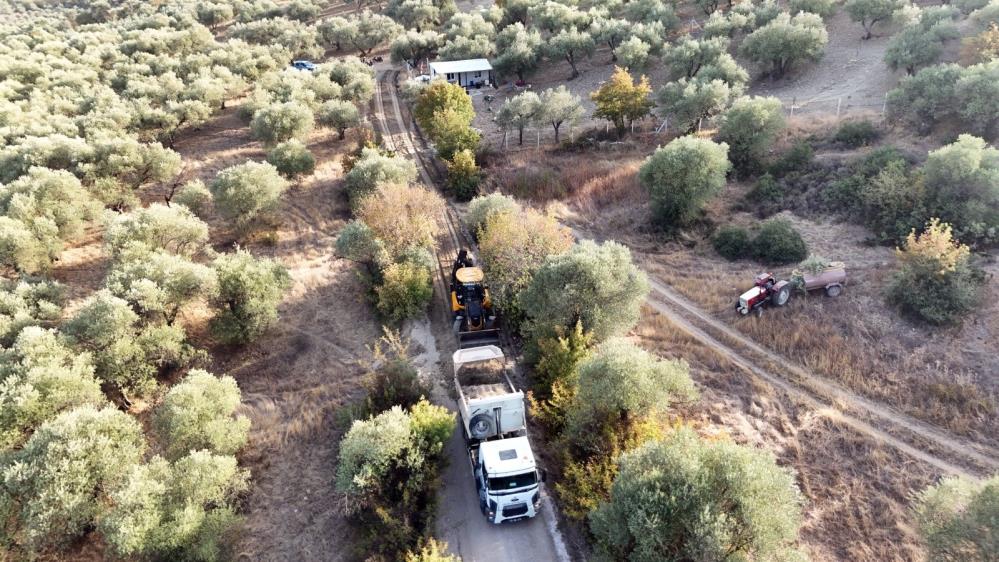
x,y
783,295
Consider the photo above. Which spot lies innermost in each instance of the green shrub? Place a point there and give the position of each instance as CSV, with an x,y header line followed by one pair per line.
x,y
277,123
195,196
463,175
392,379
249,290
794,160
958,518
823,8
292,158
856,133
731,242
766,197
779,243
247,191
28,302
749,128
405,292
483,206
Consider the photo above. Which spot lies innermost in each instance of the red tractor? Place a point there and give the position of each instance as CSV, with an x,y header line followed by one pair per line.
x,y
766,290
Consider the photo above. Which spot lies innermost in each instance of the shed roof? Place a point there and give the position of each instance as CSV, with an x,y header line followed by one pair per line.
x,y
470,65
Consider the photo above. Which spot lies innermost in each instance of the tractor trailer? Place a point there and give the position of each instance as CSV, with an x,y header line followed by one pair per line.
x,y
493,418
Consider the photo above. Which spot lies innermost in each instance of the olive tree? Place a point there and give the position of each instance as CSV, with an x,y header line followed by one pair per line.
x,y
686,102
373,169
371,30
28,302
158,283
53,484
246,191
962,187
415,46
439,97
785,41
181,510
926,99
292,159
195,196
571,44
559,106
958,518
482,207
519,112
749,128
279,122
212,14
921,42
126,353
688,56
519,50
872,12
682,176
461,48
198,413
339,115
596,285
687,498
633,54
43,377
612,32
157,227
249,291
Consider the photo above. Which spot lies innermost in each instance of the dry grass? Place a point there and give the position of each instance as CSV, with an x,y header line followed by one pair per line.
x,y
856,492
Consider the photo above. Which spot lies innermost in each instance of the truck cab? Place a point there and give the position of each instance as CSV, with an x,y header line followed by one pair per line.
x,y
507,480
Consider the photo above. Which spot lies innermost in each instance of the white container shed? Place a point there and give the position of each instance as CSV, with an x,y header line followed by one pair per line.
x,y
471,73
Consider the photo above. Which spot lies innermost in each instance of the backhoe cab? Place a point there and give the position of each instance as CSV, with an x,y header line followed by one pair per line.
x,y
474,320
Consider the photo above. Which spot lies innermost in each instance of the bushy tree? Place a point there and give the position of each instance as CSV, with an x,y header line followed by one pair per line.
x,y
893,203
822,8
336,32
731,242
571,44
355,78
198,413
373,169
621,101
935,281
405,292
962,187
157,283
174,229
126,353
249,290
451,132
518,49
984,47
53,485
461,48
595,285
682,176
785,41
42,377
358,243
482,207
977,98
957,518
513,244
688,56
651,11
559,106
133,163
778,242
921,42
402,215
442,96
610,31
633,54
277,123
519,112
181,510
28,302
213,14
292,159
415,46
872,12
926,99
689,498
247,191
463,175
749,128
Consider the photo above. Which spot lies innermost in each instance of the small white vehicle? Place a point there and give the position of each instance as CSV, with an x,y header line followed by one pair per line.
x,y
494,424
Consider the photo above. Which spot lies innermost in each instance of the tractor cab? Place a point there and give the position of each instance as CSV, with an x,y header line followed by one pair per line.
x,y
765,281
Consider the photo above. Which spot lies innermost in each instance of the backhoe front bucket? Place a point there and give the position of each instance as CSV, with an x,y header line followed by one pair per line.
x,y
478,338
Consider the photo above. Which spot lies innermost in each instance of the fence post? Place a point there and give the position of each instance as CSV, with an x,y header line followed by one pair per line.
x,y
839,101
884,107
539,140
794,102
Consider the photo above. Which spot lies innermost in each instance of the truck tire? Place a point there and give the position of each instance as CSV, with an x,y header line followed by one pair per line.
x,y
834,290
481,426
783,296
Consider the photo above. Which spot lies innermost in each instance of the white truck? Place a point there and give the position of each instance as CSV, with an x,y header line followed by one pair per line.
x,y
493,419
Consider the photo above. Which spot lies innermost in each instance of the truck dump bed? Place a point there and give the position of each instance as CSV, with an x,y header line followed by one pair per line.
x,y
489,403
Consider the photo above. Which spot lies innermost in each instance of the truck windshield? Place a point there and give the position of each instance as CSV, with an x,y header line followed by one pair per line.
x,y
501,483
